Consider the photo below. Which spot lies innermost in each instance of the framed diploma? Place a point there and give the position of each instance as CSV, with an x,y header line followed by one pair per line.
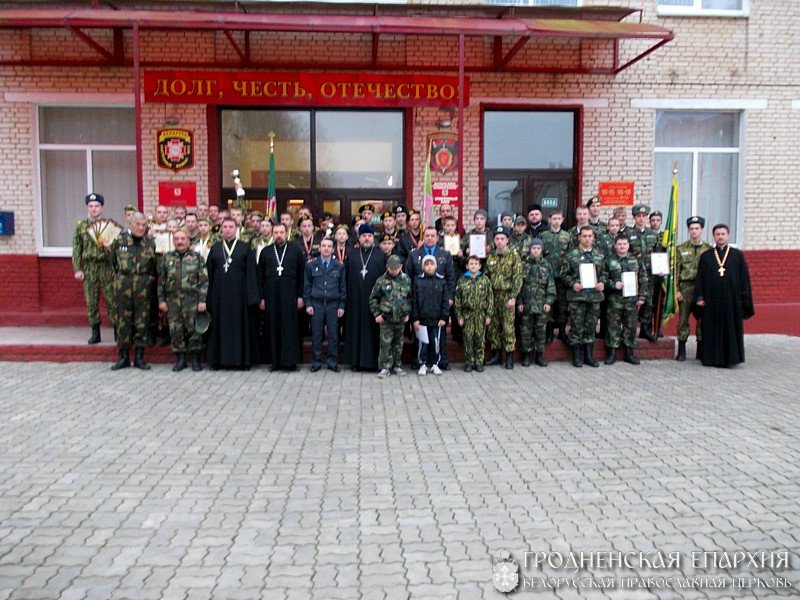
x,y
630,284
477,245
588,275
163,242
452,243
659,263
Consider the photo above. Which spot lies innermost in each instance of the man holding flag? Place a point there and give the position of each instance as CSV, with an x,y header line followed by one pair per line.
x,y
687,258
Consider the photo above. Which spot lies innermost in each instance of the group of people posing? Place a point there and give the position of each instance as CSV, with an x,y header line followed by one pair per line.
x,y
248,291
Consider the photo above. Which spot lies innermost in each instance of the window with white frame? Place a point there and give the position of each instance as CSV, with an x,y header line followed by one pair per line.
x,y
705,148
710,8
82,150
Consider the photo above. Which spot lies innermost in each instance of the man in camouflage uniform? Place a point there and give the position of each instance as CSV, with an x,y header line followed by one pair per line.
x,y
643,240
91,263
182,290
594,204
535,300
479,219
556,244
474,307
623,311
688,257
584,304
390,304
519,240
133,257
504,269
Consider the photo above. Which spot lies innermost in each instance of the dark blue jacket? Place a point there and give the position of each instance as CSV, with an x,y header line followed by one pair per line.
x,y
324,285
444,267
429,301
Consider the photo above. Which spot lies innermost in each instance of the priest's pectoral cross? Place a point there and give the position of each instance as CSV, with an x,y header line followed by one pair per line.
x,y
364,272
721,271
280,270
225,268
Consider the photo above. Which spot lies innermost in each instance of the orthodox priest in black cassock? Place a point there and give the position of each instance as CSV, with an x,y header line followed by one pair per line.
x,y
364,265
723,284
232,296
281,267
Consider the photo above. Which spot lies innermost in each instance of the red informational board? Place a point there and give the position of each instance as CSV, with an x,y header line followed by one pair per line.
x,y
446,192
616,193
171,193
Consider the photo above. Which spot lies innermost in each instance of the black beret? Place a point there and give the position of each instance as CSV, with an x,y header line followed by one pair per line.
x,y
388,213
400,208
593,200
363,207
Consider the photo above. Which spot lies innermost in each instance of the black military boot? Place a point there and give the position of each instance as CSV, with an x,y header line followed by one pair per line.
x,y
576,356
587,355
630,358
699,353
539,360
494,360
196,366
138,360
95,339
124,361
467,368
681,351
611,357
510,360
645,334
180,364
551,334
526,359
562,333
479,367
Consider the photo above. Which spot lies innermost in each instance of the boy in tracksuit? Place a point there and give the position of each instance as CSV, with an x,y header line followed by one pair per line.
x,y
474,307
430,308
535,299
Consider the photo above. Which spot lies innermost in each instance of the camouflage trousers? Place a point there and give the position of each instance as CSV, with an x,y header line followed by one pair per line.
x,y
533,332
584,316
391,348
622,318
132,299
474,338
646,312
558,314
686,288
182,330
97,278
501,329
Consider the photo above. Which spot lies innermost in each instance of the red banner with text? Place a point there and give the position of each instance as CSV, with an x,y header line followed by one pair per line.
x,y
301,89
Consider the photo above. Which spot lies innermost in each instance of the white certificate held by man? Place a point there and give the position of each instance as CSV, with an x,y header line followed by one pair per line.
x,y
452,243
588,275
630,284
477,245
659,263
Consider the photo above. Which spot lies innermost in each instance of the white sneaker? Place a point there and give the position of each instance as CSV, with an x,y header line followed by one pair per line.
x,y
423,370
383,374
436,370
399,371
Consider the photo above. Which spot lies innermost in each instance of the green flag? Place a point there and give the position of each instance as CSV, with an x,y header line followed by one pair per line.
x,y
669,285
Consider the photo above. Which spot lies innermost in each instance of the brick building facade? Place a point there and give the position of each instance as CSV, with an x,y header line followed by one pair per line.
x,y
744,66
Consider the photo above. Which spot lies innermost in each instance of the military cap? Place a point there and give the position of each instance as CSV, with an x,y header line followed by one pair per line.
x,y
95,198
366,228
656,213
363,207
400,208
520,219
385,236
387,213
505,214
130,207
480,211
696,219
535,206
394,261
206,219
537,241
202,322
325,216
257,213
500,231
342,226
593,200
412,212
640,209
428,258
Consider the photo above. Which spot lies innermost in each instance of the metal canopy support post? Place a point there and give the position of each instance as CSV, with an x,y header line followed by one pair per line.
x,y
137,109
461,191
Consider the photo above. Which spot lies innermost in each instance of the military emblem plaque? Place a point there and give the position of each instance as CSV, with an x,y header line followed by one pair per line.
x,y
175,149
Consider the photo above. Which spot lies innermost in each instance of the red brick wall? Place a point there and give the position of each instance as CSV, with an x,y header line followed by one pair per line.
x,y
19,274
774,275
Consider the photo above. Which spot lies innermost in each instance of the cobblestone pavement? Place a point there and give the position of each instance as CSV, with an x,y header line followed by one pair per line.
x,y
299,485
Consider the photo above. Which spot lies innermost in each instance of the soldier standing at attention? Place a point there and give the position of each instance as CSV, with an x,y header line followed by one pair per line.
x,y
556,244
474,307
133,257
91,263
594,204
623,309
584,303
182,290
535,299
643,240
519,240
390,304
324,294
504,268
688,257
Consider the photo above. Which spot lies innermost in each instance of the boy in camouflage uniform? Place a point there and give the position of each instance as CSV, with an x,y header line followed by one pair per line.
x,y
623,311
504,268
92,264
519,239
643,240
182,290
534,302
556,244
390,304
133,257
474,306
688,257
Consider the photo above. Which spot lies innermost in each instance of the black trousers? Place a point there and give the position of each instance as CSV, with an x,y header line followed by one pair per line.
x,y
324,316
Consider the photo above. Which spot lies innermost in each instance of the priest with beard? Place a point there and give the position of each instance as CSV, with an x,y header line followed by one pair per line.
x,y
281,266
232,291
722,292
364,265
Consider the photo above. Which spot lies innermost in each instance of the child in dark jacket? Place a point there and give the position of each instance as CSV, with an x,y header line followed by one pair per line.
x,y
430,311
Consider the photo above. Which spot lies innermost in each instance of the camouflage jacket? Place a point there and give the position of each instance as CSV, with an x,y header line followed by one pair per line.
x,y
642,242
474,295
183,278
391,297
521,243
556,245
131,260
84,248
505,272
538,286
687,256
618,265
465,241
572,274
